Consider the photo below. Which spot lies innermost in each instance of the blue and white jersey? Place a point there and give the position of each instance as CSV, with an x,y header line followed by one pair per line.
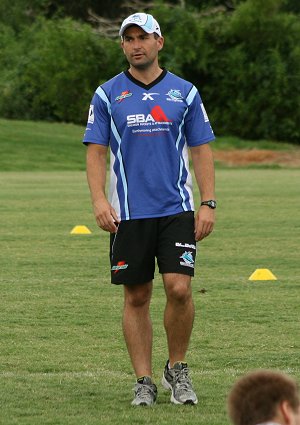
x,y
148,129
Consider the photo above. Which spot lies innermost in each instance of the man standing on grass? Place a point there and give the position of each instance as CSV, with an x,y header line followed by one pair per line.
x,y
264,397
149,117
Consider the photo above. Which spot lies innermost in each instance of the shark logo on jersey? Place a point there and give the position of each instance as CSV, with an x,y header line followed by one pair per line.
x,y
91,117
174,95
188,259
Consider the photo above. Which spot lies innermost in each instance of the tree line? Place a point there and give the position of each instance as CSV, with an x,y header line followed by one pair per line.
x,y
243,55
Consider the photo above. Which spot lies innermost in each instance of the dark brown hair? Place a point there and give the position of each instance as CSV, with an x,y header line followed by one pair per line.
x,y
255,397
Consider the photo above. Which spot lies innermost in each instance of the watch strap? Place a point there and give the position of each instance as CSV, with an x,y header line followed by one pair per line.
x,y
210,203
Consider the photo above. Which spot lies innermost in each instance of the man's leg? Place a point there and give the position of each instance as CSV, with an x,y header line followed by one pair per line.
x,y
137,327
178,321
179,314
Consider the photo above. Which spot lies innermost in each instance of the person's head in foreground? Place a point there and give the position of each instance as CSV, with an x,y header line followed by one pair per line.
x,y
264,397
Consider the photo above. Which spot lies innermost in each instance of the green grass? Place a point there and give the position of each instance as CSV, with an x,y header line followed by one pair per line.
x,y
34,146
230,142
39,146
62,356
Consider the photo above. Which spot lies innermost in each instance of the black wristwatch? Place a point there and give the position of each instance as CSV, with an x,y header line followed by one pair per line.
x,y
211,204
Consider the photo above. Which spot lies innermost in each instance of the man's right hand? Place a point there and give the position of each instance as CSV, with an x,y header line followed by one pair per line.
x,y
106,217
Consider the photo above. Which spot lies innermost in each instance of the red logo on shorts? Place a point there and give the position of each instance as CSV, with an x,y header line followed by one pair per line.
x,y
121,265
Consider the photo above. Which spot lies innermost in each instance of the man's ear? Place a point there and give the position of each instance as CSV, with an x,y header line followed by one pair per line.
x,y
122,44
160,41
286,412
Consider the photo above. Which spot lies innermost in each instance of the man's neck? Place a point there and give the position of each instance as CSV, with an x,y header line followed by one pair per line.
x,y
145,76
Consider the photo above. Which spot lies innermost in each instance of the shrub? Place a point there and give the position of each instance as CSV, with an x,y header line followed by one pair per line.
x,y
246,65
254,79
54,71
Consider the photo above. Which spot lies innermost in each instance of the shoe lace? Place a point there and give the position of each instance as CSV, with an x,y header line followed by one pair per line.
x,y
143,390
182,380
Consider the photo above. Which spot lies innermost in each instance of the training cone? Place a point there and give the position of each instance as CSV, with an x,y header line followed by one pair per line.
x,y
262,274
80,230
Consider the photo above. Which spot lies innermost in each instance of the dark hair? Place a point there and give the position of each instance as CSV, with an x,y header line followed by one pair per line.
x,y
255,397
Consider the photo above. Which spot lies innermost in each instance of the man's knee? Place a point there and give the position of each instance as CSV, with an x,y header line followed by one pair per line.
x,y
137,295
178,288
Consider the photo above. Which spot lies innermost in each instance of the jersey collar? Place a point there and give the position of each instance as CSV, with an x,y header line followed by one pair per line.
x,y
146,86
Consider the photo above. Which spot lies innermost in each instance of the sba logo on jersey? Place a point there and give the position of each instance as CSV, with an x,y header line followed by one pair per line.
x,y
156,115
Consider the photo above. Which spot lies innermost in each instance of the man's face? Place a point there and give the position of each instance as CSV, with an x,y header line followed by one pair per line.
x,y
141,49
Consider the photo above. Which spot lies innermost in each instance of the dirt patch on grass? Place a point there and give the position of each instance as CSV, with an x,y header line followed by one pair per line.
x,y
257,156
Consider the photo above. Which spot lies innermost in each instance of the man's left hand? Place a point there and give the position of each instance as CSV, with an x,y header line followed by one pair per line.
x,y
204,222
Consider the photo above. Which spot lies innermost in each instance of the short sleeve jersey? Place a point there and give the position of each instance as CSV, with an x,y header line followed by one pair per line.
x,y
148,129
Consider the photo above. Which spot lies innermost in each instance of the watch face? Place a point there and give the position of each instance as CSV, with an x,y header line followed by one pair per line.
x,y
211,203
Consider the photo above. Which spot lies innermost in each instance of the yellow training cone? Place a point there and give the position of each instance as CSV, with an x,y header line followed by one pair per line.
x,y
80,230
262,274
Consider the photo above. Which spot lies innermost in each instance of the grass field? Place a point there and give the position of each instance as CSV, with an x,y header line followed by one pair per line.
x,y
62,356
40,146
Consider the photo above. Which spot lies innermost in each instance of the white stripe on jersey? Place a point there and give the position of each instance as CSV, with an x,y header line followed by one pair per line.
x,y
101,93
183,161
191,96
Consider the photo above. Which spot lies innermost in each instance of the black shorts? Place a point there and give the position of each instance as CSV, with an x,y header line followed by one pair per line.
x,y
133,249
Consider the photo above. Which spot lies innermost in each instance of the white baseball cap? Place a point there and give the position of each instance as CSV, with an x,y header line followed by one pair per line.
x,y
144,21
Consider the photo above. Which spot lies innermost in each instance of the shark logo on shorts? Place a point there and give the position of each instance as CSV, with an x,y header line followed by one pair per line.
x,y
188,260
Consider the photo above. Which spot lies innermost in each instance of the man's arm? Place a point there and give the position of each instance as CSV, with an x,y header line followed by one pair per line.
x,y
203,164
105,215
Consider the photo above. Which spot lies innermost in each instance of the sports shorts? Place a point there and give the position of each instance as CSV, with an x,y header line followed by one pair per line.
x,y
139,243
